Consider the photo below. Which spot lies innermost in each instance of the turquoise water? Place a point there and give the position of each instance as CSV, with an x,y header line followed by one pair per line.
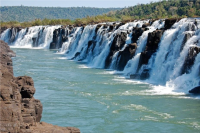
x,y
98,101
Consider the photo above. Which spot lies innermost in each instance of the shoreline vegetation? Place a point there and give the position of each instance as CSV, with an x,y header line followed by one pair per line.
x,y
154,10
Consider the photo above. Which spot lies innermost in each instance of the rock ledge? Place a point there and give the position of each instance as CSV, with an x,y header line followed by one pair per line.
x,y
20,112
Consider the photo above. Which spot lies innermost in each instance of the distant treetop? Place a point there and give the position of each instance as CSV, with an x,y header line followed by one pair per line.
x,y
25,13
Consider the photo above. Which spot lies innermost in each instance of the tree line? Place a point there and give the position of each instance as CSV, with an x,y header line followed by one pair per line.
x,y
25,13
161,9
153,10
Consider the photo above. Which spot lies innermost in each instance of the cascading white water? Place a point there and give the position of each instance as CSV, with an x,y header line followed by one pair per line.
x,y
24,38
167,65
93,46
132,65
5,36
101,40
128,26
168,61
188,81
141,43
172,40
47,36
70,45
87,35
99,61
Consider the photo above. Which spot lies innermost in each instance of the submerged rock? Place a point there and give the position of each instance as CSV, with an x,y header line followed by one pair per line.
x,y
195,90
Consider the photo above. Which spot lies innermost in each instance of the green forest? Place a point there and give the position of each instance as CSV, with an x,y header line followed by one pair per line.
x,y
25,13
162,9
154,10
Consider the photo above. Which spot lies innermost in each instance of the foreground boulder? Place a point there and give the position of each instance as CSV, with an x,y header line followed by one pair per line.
x,y
20,112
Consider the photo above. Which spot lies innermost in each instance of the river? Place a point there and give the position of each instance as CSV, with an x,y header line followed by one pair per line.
x,y
101,101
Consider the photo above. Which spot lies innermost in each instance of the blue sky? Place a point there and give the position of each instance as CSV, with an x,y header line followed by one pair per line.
x,y
74,3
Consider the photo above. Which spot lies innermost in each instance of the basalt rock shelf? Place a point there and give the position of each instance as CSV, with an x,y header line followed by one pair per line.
x,y
163,52
20,112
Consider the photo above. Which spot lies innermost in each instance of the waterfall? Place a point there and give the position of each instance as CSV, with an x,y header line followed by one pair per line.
x,y
132,65
37,36
188,81
169,58
70,45
143,49
5,36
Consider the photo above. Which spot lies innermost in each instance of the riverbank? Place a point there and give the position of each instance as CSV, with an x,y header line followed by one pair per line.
x,y
20,111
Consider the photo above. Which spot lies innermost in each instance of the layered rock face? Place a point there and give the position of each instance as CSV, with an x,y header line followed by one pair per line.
x,y
20,112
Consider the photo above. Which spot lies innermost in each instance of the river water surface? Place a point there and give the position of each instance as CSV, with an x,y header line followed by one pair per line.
x,y
98,101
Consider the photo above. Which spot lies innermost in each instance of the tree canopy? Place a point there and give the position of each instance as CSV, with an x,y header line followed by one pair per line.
x,y
25,13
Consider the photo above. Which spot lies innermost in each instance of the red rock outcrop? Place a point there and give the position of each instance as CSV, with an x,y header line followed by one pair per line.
x,y
20,112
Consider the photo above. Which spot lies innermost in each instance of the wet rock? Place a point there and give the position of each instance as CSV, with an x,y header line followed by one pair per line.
x,y
186,38
146,25
76,55
98,27
125,55
135,76
13,33
59,36
195,90
117,44
145,74
36,39
189,60
91,46
118,25
2,29
105,26
151,46
136,33
111,28
169,23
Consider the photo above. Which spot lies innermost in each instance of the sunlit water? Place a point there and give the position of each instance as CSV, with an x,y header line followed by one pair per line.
x,y
98,101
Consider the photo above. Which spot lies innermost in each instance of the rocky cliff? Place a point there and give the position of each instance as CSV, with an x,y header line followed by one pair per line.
x,y
20,112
